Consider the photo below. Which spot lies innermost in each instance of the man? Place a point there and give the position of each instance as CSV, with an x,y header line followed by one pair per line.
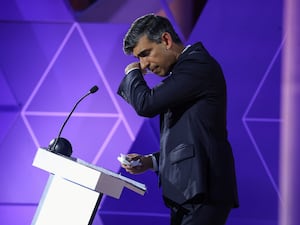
x,y
195,163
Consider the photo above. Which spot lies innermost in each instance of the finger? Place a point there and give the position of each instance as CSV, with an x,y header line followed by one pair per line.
x,y
132,155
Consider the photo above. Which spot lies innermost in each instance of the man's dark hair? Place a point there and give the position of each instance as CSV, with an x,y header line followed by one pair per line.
x,y
151,25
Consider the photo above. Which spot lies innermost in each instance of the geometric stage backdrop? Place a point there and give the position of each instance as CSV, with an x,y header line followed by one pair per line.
x,y
51,55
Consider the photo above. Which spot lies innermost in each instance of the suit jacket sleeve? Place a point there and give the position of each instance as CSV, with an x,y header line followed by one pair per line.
x,y
177,89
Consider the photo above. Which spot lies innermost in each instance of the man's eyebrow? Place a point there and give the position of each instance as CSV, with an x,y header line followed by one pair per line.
x,y
143,53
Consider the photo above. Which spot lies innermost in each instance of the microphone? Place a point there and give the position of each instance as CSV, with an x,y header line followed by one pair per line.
x,y
61,145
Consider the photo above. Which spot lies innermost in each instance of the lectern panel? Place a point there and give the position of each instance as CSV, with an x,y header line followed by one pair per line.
x,y
63,201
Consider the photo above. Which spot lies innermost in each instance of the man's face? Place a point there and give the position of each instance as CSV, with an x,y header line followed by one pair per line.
x,y
153,56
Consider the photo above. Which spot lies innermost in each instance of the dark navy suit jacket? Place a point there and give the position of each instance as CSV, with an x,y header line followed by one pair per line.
x,y
195,157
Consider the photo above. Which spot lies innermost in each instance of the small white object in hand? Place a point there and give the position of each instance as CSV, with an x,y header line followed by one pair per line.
x,y
125,160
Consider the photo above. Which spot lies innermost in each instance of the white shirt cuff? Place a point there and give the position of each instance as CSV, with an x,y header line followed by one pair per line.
x,y
128,71
154,163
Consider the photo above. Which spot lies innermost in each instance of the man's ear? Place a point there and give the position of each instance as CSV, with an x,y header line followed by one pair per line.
x,y
167,40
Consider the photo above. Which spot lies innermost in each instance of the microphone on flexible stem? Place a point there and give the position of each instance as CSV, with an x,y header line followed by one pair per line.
x,y
61,145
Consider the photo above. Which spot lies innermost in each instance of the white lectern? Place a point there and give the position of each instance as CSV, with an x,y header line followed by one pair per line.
x,y
75,188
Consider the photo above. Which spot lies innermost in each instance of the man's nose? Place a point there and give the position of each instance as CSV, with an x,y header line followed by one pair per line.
x,y
144,63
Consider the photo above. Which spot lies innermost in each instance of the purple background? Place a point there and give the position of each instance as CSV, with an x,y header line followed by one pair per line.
x,y
50,56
